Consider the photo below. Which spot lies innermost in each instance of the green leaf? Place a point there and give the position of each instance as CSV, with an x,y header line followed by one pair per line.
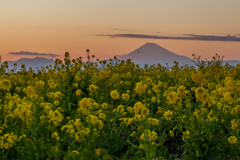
x,y
125,156
107,157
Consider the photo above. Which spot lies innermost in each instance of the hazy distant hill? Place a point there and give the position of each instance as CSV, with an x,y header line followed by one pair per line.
x,y
35,62
231,62
151,53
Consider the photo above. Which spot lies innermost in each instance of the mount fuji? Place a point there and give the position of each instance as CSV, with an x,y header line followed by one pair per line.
x,y
151,53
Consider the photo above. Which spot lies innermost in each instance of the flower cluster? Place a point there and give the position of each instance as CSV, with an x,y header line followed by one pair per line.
x,y
85,110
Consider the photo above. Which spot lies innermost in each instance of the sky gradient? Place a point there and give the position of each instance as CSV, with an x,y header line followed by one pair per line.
x,y
112,27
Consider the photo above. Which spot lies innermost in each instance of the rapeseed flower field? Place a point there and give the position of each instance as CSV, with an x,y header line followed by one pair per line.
x,y
112,111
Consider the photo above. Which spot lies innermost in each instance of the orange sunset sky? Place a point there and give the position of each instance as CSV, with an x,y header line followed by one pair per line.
x,y
115,27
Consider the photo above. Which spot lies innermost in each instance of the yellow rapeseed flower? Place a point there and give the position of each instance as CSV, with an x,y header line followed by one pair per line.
x,y
186,135
144,112
8,140
234,123
104,105
168,115
92,119
156,89
228,97
172,97
138,118
102,116
55,117
211,116
58,94
114,94
153,121
98,151
181,90
79,92
29,90
85,103
5,84
56,103
220,91
171,133
148,136
52,85
55,149
40,84
200,92
75,152
55,136
153,99
137,107
125,97
93,88
104,74
232,140
237,69
230,83
140,88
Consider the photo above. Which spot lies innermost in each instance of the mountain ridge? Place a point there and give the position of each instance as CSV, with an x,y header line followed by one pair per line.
x,y
31,62
149,53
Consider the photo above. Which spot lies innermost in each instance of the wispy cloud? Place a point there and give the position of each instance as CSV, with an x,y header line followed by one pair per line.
x,y
26,53
120,55
184,37
118,29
